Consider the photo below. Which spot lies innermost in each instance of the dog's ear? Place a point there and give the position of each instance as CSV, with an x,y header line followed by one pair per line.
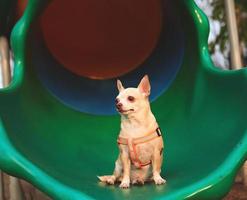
x,y
120,86
144,86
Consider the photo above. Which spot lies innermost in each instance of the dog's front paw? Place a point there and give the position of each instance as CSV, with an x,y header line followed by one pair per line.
x,y
124,185
159,181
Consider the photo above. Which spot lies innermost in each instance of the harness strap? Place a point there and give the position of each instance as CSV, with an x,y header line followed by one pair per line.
x,y
132,142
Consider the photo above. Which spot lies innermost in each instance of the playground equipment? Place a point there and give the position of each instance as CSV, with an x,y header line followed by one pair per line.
x,y
58,124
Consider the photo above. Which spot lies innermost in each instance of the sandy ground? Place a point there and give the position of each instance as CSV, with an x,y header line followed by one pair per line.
x,y
238,192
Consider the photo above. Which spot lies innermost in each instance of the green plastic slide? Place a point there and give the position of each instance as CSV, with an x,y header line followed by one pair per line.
x,y
58,123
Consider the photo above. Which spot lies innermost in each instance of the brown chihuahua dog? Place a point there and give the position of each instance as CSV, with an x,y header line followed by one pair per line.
x,y
140,141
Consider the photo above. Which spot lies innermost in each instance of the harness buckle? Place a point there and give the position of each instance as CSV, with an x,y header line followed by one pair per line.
x,y
158,131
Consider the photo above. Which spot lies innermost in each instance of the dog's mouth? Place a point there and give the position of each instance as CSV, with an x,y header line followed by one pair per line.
x,y
125,111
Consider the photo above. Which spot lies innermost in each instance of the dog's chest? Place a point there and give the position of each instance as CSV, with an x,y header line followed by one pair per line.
x,y
144,151
140,151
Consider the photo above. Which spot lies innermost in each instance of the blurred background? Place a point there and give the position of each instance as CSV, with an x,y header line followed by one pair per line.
x,y
220,50
218,41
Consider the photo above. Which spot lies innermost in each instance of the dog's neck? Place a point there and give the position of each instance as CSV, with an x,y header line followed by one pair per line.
x,y
138,123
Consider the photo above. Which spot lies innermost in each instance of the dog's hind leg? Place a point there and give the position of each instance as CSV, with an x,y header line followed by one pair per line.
x,y
111,179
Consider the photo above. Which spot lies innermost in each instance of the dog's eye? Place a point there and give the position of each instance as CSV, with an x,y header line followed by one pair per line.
x,y
131,98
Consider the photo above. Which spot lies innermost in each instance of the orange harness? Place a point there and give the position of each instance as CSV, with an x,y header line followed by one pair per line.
x,y
134,141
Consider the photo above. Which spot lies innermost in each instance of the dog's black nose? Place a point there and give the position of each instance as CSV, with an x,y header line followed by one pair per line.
x,y
119,105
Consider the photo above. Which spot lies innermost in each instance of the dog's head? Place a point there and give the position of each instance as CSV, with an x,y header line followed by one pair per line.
x,y
133,100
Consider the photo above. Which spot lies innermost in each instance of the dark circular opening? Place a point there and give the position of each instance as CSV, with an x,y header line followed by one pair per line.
x,y
96,96
101,39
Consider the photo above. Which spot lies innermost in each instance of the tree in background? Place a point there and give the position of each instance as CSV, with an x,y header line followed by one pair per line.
x,y
221,40
219,46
